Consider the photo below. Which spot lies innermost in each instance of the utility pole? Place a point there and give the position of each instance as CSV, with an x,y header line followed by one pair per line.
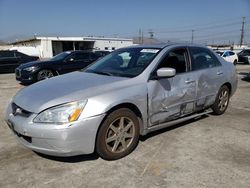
x,y
140,39
242,31
192,39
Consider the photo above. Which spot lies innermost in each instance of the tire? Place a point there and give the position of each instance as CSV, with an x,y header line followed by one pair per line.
x,y
235,62
44,74
118,135
221,102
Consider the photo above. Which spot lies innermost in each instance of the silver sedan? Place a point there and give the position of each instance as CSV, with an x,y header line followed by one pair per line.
x,y
130,92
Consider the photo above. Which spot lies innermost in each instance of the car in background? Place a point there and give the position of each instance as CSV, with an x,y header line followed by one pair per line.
x,y
130,92
244,56
10,60
229,56
102,53
62,63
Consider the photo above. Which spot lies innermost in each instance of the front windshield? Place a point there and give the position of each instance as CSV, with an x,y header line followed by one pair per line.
x,y
128,62
60,56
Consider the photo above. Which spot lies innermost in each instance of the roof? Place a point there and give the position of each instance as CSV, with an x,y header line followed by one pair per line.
x,y
163,45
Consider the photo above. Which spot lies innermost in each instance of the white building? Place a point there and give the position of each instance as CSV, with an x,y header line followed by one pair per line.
x,y
50,46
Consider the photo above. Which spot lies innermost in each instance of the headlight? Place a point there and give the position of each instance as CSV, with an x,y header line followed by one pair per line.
x,y
30,68
65,113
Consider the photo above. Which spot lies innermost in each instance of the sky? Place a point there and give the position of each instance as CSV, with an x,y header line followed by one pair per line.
x,y
212,21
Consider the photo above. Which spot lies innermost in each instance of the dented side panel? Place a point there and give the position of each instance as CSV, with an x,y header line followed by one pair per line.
x,y
171,98
209,82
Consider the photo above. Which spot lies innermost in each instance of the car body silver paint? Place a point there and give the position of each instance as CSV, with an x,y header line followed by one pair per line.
x,y
58,140
157,100
167,97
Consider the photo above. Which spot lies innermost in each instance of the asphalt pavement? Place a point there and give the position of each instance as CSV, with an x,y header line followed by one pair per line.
x,y
213,151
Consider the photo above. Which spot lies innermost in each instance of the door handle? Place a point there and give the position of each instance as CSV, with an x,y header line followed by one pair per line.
x,y
189,81
219,73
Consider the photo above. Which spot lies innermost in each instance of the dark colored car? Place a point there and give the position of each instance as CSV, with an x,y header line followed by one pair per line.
x,y
244,56
9,60
102,53
62,63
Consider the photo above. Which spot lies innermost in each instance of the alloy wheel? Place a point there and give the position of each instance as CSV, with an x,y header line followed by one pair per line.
x,y
120,135
44,74
223,100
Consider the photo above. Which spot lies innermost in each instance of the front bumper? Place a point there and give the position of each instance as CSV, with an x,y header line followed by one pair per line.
x,y
25,76
57,140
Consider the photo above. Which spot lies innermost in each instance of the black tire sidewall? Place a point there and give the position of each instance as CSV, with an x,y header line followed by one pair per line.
x,y
101,148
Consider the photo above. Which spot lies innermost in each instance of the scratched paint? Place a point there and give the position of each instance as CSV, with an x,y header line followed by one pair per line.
x,y
170,99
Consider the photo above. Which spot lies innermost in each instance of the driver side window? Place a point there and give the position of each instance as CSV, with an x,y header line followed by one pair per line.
x,y
81,56
176,59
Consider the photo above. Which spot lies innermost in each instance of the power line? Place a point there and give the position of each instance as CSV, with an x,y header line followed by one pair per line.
x,y
217,33
221,29
214,27
213,24
220,37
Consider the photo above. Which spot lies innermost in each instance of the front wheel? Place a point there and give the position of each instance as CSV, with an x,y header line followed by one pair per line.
x,y
44,74
118,135
235,62
221,102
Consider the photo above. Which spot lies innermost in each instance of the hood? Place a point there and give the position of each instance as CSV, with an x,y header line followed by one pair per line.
x,y
66,88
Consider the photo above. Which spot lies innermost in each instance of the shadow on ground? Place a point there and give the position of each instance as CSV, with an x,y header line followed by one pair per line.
x,y
73,159
161,131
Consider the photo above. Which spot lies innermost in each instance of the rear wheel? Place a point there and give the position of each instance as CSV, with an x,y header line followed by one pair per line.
x,y
221,102
44,74
118,135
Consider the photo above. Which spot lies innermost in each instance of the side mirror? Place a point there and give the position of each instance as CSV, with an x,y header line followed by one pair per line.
x,y
166,72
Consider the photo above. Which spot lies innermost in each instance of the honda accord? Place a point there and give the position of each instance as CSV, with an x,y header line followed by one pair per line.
x,y
130,92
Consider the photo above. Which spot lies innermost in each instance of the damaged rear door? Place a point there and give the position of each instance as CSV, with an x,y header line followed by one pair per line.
x,y
171,98
209,73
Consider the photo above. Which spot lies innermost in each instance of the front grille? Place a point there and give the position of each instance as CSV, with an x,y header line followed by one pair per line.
x,y
17,110
18,73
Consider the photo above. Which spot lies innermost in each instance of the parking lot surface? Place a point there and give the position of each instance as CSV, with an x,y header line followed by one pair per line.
x,y
213,151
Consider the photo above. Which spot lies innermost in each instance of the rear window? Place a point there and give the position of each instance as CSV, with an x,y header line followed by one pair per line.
x,y
231,53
